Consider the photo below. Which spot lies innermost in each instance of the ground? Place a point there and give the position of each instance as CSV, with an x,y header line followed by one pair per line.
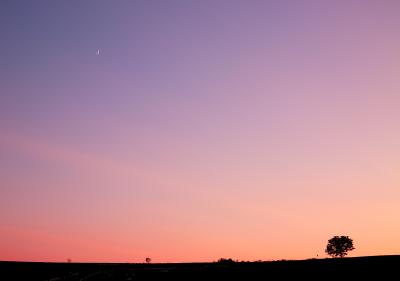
x,y
377,267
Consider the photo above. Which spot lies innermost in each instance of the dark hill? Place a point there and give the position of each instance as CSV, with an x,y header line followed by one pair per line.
x,y
376,267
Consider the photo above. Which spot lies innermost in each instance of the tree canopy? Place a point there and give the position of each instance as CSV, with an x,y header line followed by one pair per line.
x,y
338,246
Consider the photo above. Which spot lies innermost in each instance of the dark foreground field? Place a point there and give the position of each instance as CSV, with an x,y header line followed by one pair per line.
x,y
361,268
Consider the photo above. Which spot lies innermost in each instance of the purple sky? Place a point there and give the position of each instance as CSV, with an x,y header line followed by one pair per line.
x,y
244,129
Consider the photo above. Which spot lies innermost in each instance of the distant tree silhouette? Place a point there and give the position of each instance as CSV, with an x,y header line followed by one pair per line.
x,y
338,246
148,260
226,261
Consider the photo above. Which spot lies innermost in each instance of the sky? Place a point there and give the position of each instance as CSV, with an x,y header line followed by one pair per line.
x,y
194,130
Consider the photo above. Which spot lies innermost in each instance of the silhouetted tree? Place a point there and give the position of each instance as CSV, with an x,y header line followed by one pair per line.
x,y
148,260
225,261
338,246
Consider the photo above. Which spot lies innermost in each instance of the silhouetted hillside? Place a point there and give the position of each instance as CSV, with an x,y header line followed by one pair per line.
x,y
376,267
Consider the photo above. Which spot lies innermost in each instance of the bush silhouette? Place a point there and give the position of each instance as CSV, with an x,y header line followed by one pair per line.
x,y
338,246
225,261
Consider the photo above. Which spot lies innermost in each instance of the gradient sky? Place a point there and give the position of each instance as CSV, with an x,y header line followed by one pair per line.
x,y
203,129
